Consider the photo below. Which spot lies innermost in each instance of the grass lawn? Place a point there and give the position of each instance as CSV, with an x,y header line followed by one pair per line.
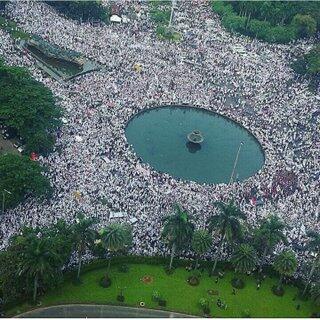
x,y
180,296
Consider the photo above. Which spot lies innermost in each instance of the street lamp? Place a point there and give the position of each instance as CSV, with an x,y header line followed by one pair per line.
x,y
3,197
172,8
235,162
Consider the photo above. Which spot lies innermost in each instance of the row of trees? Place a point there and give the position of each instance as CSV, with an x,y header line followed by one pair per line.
x,y
271,21
27,109
35,258
81,10
250,247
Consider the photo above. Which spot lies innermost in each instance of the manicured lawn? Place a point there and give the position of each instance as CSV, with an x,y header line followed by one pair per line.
x,y
180,296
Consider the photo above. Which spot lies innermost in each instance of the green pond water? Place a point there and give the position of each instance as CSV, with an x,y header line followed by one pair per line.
x,y
159,137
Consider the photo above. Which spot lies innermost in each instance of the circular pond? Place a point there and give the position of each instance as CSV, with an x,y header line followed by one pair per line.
x,y
159,136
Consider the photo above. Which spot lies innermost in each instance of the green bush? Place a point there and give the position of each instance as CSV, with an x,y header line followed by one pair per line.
x,y
305,25
120,298
193,280
168,271
278,291
156,296
204,305
105,281
237,283
123,268
162,302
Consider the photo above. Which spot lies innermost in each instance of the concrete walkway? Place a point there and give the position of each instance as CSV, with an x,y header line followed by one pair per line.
x,y
98,311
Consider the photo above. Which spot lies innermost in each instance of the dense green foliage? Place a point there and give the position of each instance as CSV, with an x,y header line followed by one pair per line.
x,y
244,258
271,21
227,223
81,10
269,234
309,66
22,178
315,293
177,231
28,108
83,237
285,264
34,260
115,238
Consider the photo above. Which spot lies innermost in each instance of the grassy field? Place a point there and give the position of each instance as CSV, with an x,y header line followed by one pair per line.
x,y
180,296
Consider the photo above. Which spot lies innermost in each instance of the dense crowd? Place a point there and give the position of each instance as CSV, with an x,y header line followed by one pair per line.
x,y
99,173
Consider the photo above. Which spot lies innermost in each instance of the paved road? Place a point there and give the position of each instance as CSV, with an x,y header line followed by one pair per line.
x,y
98,311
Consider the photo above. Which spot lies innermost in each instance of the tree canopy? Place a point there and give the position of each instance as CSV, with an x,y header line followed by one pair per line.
x,y
81,10
271,21
22,178
28,108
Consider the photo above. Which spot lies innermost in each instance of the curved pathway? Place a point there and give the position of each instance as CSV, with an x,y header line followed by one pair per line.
x,y
98,311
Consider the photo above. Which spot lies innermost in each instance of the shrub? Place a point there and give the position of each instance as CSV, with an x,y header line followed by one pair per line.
x,y
278,291
120,298
168,271
204,305
156,296
105,281
245,313
123,268
193,280
305,25
237,283
162,302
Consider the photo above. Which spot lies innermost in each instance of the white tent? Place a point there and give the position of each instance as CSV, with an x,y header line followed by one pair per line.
x,y
115,18
119,214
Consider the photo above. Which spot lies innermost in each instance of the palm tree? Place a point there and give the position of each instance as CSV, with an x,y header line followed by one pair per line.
x,y
38,258
62,234
285,264
177,231
201,243
244,258
315,293
269,234
83,237
116,237
313,246
227,223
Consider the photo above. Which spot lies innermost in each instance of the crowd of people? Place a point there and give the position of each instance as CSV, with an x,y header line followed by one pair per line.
x,y
100,174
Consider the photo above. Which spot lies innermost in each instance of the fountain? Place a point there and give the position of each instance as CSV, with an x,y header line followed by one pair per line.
x,y
195,137
171,140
